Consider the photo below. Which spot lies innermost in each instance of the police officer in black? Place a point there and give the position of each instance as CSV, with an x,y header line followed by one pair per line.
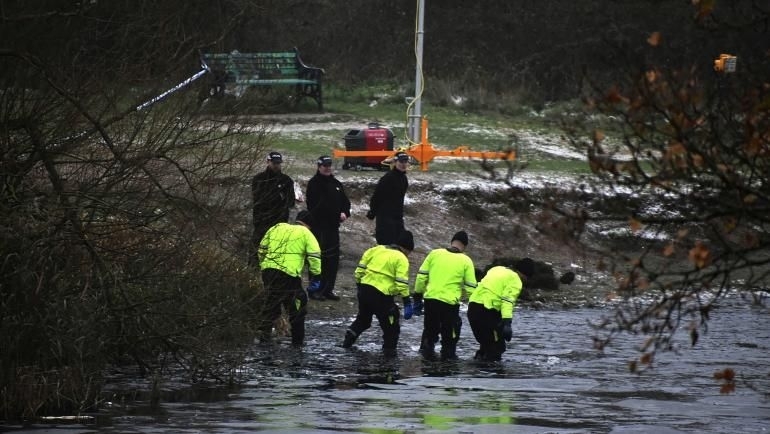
x,y
327,202
387,202
272,193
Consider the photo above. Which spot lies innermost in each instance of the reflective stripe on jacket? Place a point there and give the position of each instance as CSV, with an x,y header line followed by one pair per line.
x,y
498,290
286,246
444,274
385,268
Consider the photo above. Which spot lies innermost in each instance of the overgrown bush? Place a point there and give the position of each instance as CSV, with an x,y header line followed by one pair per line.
x,y
121,233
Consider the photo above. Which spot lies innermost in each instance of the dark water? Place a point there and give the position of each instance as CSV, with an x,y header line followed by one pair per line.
x,y
550,381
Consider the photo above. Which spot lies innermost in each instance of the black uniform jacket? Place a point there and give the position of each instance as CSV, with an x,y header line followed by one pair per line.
x,y
272,195
326,199
388,197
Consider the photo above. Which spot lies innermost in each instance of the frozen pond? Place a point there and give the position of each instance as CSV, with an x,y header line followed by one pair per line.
x,y
550,381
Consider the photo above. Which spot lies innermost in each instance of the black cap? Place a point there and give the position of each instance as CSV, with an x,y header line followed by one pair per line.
x,y
324,160
406,240
305,217
462,237
401,156
275,157
526,267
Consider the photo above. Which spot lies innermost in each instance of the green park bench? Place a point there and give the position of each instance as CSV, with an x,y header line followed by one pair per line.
x,y
263,69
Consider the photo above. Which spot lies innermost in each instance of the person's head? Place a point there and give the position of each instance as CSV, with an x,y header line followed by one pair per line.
x,y
274,161
460,240
304,217
406,242
401,161
324,164
525,268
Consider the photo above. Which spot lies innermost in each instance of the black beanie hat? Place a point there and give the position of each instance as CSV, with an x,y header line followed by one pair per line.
x,y
305,217
462,237
406,240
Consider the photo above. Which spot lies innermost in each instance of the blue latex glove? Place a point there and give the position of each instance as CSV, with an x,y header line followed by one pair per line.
x,y
408,308
408,311
507,331
417,305
315,285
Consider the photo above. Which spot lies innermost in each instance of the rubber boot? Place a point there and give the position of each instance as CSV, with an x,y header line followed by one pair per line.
x,y
350,338
427,349
448,352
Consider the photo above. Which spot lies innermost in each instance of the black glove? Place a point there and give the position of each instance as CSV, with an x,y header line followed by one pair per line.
x,y
370,215
507,331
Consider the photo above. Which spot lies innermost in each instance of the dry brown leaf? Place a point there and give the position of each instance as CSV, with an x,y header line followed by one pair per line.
x,y
669,250
700,255
654,39
598,136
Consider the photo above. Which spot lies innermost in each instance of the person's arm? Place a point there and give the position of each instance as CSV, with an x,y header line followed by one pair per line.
x,y
256,193
469,278
402,277
289,193
313,252
375,201
362,264
312,196
511,290
421,280
344,201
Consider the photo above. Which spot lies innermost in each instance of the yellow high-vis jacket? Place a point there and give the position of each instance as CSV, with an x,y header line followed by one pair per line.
x,y
385,268
286,246
444,274
498,290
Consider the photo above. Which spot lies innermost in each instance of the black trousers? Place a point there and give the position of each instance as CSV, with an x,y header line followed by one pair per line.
x,y
372,302
284,290
329,240
441,319
487,328
387,229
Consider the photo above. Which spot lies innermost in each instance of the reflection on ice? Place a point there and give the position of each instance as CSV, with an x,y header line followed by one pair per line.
x,y
550,380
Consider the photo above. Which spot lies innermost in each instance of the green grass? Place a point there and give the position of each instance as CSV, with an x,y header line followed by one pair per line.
x,y
562,166
449,127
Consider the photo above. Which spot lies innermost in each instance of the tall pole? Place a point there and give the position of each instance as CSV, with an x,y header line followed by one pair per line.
x,y
416,114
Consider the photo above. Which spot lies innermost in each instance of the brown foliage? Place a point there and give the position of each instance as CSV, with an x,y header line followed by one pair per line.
x,y
692,146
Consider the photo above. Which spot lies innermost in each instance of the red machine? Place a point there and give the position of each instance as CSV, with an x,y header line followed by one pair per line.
x,y
422,152
373,138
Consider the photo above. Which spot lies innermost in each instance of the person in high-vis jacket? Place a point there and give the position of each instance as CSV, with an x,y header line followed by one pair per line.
x,y
490,307
443,277
282,255
382,275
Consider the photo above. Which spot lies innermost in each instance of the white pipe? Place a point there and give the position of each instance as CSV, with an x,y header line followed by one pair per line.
x,y
416,115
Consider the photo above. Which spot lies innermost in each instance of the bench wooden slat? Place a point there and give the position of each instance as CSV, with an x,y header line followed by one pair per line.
x,y
264,69
273,81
